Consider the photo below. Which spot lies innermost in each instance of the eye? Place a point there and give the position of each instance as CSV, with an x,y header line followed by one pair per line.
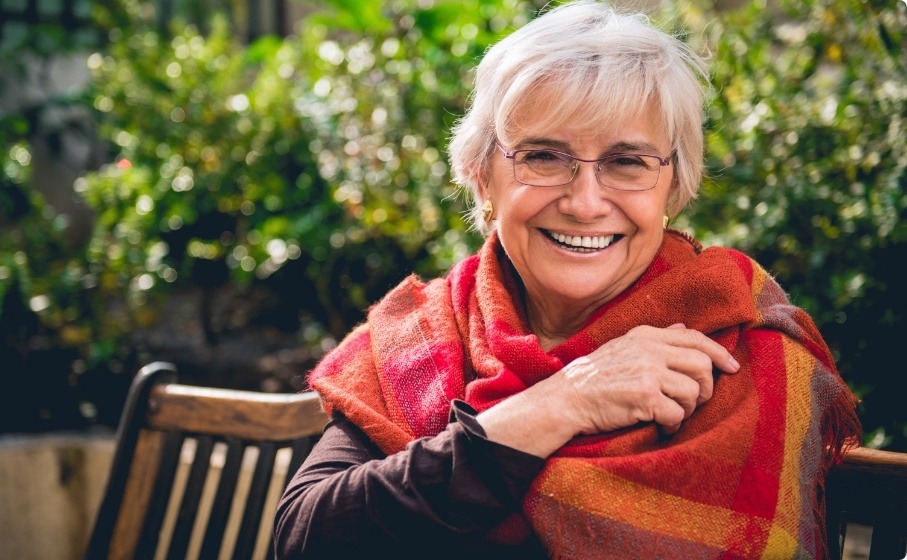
x,y
542,157
624,160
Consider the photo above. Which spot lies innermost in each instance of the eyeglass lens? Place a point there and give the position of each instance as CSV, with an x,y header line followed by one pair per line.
x,y
545,168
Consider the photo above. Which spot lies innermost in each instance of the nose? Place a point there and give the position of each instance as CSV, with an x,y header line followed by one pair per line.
x,y
585,199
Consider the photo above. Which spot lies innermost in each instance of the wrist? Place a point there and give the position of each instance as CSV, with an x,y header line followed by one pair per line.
x,y
536,421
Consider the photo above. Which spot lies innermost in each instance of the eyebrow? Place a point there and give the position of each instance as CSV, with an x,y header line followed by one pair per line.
x,y
615,148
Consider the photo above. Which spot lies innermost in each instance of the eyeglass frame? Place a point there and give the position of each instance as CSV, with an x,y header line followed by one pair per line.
x,y
663,162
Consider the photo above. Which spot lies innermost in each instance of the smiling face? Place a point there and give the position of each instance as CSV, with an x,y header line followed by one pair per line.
x,y
579,245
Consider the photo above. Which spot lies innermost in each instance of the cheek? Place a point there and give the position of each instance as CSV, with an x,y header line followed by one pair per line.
x,y
657,207
497,188
647,216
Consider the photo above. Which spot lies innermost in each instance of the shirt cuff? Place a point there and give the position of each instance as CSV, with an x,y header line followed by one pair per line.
x,y
517,468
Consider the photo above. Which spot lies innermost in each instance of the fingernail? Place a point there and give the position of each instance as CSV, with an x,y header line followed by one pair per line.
x,y
734,363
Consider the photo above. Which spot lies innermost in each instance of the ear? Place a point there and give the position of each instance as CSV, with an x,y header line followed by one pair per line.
x,y
674,188
483,191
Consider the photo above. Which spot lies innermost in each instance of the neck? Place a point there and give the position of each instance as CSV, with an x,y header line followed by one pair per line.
x,y
553,324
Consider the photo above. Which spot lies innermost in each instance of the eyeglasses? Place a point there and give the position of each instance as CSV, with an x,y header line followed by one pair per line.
x,y
550,168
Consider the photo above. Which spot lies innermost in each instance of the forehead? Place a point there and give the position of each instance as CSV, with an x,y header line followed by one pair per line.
x,y
539,120
546,114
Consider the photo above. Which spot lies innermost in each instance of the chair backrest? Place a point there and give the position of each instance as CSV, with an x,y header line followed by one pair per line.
x,y
869,488
197,471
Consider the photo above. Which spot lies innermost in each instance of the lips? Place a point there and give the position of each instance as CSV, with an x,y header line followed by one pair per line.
x,y
583,243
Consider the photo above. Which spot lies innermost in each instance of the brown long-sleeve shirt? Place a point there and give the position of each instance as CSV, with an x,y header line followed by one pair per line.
x,y
435,499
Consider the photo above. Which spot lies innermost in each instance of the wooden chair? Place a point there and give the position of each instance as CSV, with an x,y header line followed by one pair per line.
x,y
198,471
869,488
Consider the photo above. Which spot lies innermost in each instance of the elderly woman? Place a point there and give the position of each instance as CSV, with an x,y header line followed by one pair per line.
x,y
590,384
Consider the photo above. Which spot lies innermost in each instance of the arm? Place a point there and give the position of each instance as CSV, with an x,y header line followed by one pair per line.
x,y
440,493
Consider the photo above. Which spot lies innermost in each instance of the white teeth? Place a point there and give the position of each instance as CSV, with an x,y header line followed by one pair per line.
x,y
596,242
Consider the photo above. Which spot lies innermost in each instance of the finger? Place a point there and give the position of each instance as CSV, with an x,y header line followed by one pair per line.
x,y
671,430
683,390
691,338
696,366
668,414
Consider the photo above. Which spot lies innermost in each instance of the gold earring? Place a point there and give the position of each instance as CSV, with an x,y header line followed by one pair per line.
x,y
664,221
487,210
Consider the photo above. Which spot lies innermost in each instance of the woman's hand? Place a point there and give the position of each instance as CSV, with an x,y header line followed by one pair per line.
x,y
648,374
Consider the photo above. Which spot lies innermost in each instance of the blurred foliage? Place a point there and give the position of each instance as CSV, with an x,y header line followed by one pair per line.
x,y
311,166
47,301
54,33
314,166
314,160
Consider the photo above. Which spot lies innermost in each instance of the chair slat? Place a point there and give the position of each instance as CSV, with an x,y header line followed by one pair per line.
x,y
160,496
836,529
130,513
887,541
188,510
220,510
258,490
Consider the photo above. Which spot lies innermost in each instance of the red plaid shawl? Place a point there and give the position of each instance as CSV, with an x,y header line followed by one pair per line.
x,y
741,479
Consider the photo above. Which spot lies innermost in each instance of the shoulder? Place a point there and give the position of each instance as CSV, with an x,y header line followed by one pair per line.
x,y
688,244
755,273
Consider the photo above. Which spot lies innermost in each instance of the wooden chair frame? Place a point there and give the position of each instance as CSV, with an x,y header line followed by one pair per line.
x,y
140,512
869,488
143,509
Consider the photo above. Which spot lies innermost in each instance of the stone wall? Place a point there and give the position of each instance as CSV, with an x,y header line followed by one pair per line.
x,y
50,490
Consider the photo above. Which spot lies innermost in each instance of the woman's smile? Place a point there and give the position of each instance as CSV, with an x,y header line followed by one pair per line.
x,y
580,243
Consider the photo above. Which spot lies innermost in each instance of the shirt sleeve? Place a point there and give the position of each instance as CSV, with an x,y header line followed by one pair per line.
x,y
441,493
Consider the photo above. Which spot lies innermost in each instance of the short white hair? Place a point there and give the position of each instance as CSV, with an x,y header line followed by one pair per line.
x,y
597,66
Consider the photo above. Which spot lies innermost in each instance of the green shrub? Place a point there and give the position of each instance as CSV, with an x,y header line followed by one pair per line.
x,y
310,167
325,149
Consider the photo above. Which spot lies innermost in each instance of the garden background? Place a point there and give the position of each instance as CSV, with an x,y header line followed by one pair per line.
x,y
231,196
